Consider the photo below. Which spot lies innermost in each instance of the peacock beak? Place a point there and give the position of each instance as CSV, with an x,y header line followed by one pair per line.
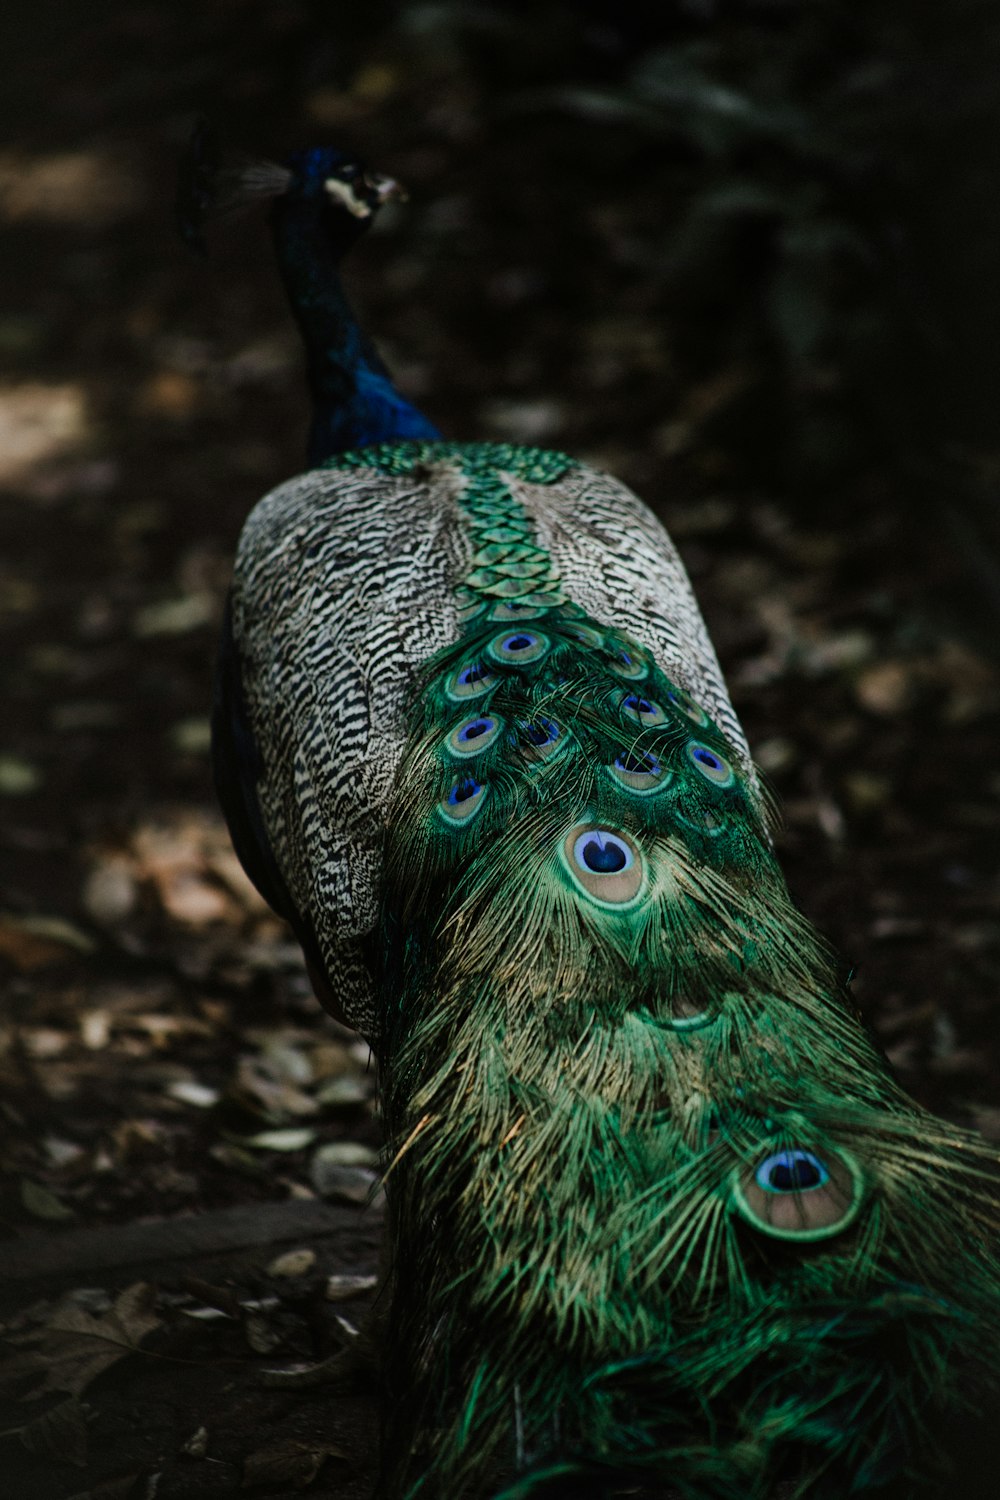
x,y
386,189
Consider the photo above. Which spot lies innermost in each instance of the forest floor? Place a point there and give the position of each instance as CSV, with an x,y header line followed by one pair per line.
x,y
190,1221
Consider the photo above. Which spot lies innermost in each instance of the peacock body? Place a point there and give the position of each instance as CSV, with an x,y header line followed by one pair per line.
x,y
659,1214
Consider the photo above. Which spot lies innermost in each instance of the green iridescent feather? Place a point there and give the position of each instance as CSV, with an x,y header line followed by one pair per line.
x,y
659,1215
655,1199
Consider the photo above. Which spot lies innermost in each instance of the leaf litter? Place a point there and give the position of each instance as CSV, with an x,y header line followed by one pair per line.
x,y
161,1054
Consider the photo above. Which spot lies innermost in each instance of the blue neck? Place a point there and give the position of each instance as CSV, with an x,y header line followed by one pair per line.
x,y
354,400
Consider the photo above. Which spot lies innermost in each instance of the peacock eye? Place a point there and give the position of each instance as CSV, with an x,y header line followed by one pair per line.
x,y
704,820
628,663
798,1194
630,760
714,767
542,733
473,735
463,800
687,1016
540,737
471,681
793,1171
604,863
518,647
602,852
584,635
681,1014
640,771
642,710
679,699
513,611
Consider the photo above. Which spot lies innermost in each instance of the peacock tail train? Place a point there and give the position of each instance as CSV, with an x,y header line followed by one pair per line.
x,y
659,1214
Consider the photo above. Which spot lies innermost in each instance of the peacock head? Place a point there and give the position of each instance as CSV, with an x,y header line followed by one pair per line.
x,y
348,193
215,182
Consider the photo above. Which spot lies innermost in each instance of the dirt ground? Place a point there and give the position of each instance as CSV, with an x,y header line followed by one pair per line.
x,y
188,1145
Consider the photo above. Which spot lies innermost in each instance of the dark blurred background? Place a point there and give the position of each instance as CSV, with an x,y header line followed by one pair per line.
x,y
743,255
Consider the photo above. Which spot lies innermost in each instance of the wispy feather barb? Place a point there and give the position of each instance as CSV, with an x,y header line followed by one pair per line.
x,y
215,183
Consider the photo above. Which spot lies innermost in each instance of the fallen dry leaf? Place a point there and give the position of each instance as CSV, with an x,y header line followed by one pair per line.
x,y
38,422
18,776
288,1462
188,898
42,1204
262,1324
109,892
343,1286
32,943
292,1139
192,736
67,187
177,856
189,1091
175,616
170,394
292,1263
60,1434
197,1444
342,1183
74,1346
345,1091
885,689
122,1487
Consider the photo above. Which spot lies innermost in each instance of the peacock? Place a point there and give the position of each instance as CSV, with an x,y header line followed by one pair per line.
x,y
661,1220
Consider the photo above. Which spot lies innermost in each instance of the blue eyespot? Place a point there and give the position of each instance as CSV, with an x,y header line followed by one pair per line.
x,y
642,710
463,800
627,661
515,610
470,681
519,647
602,852
792,1171
585,635
473,735
605,865
797,1195
714,767
638,763
542,733
679,699
539,737
640,771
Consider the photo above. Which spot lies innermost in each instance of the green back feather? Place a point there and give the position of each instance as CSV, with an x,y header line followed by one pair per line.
x,y
658,1203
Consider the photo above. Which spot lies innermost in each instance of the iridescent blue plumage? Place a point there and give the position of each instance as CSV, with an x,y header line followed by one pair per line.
x,y
355,402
